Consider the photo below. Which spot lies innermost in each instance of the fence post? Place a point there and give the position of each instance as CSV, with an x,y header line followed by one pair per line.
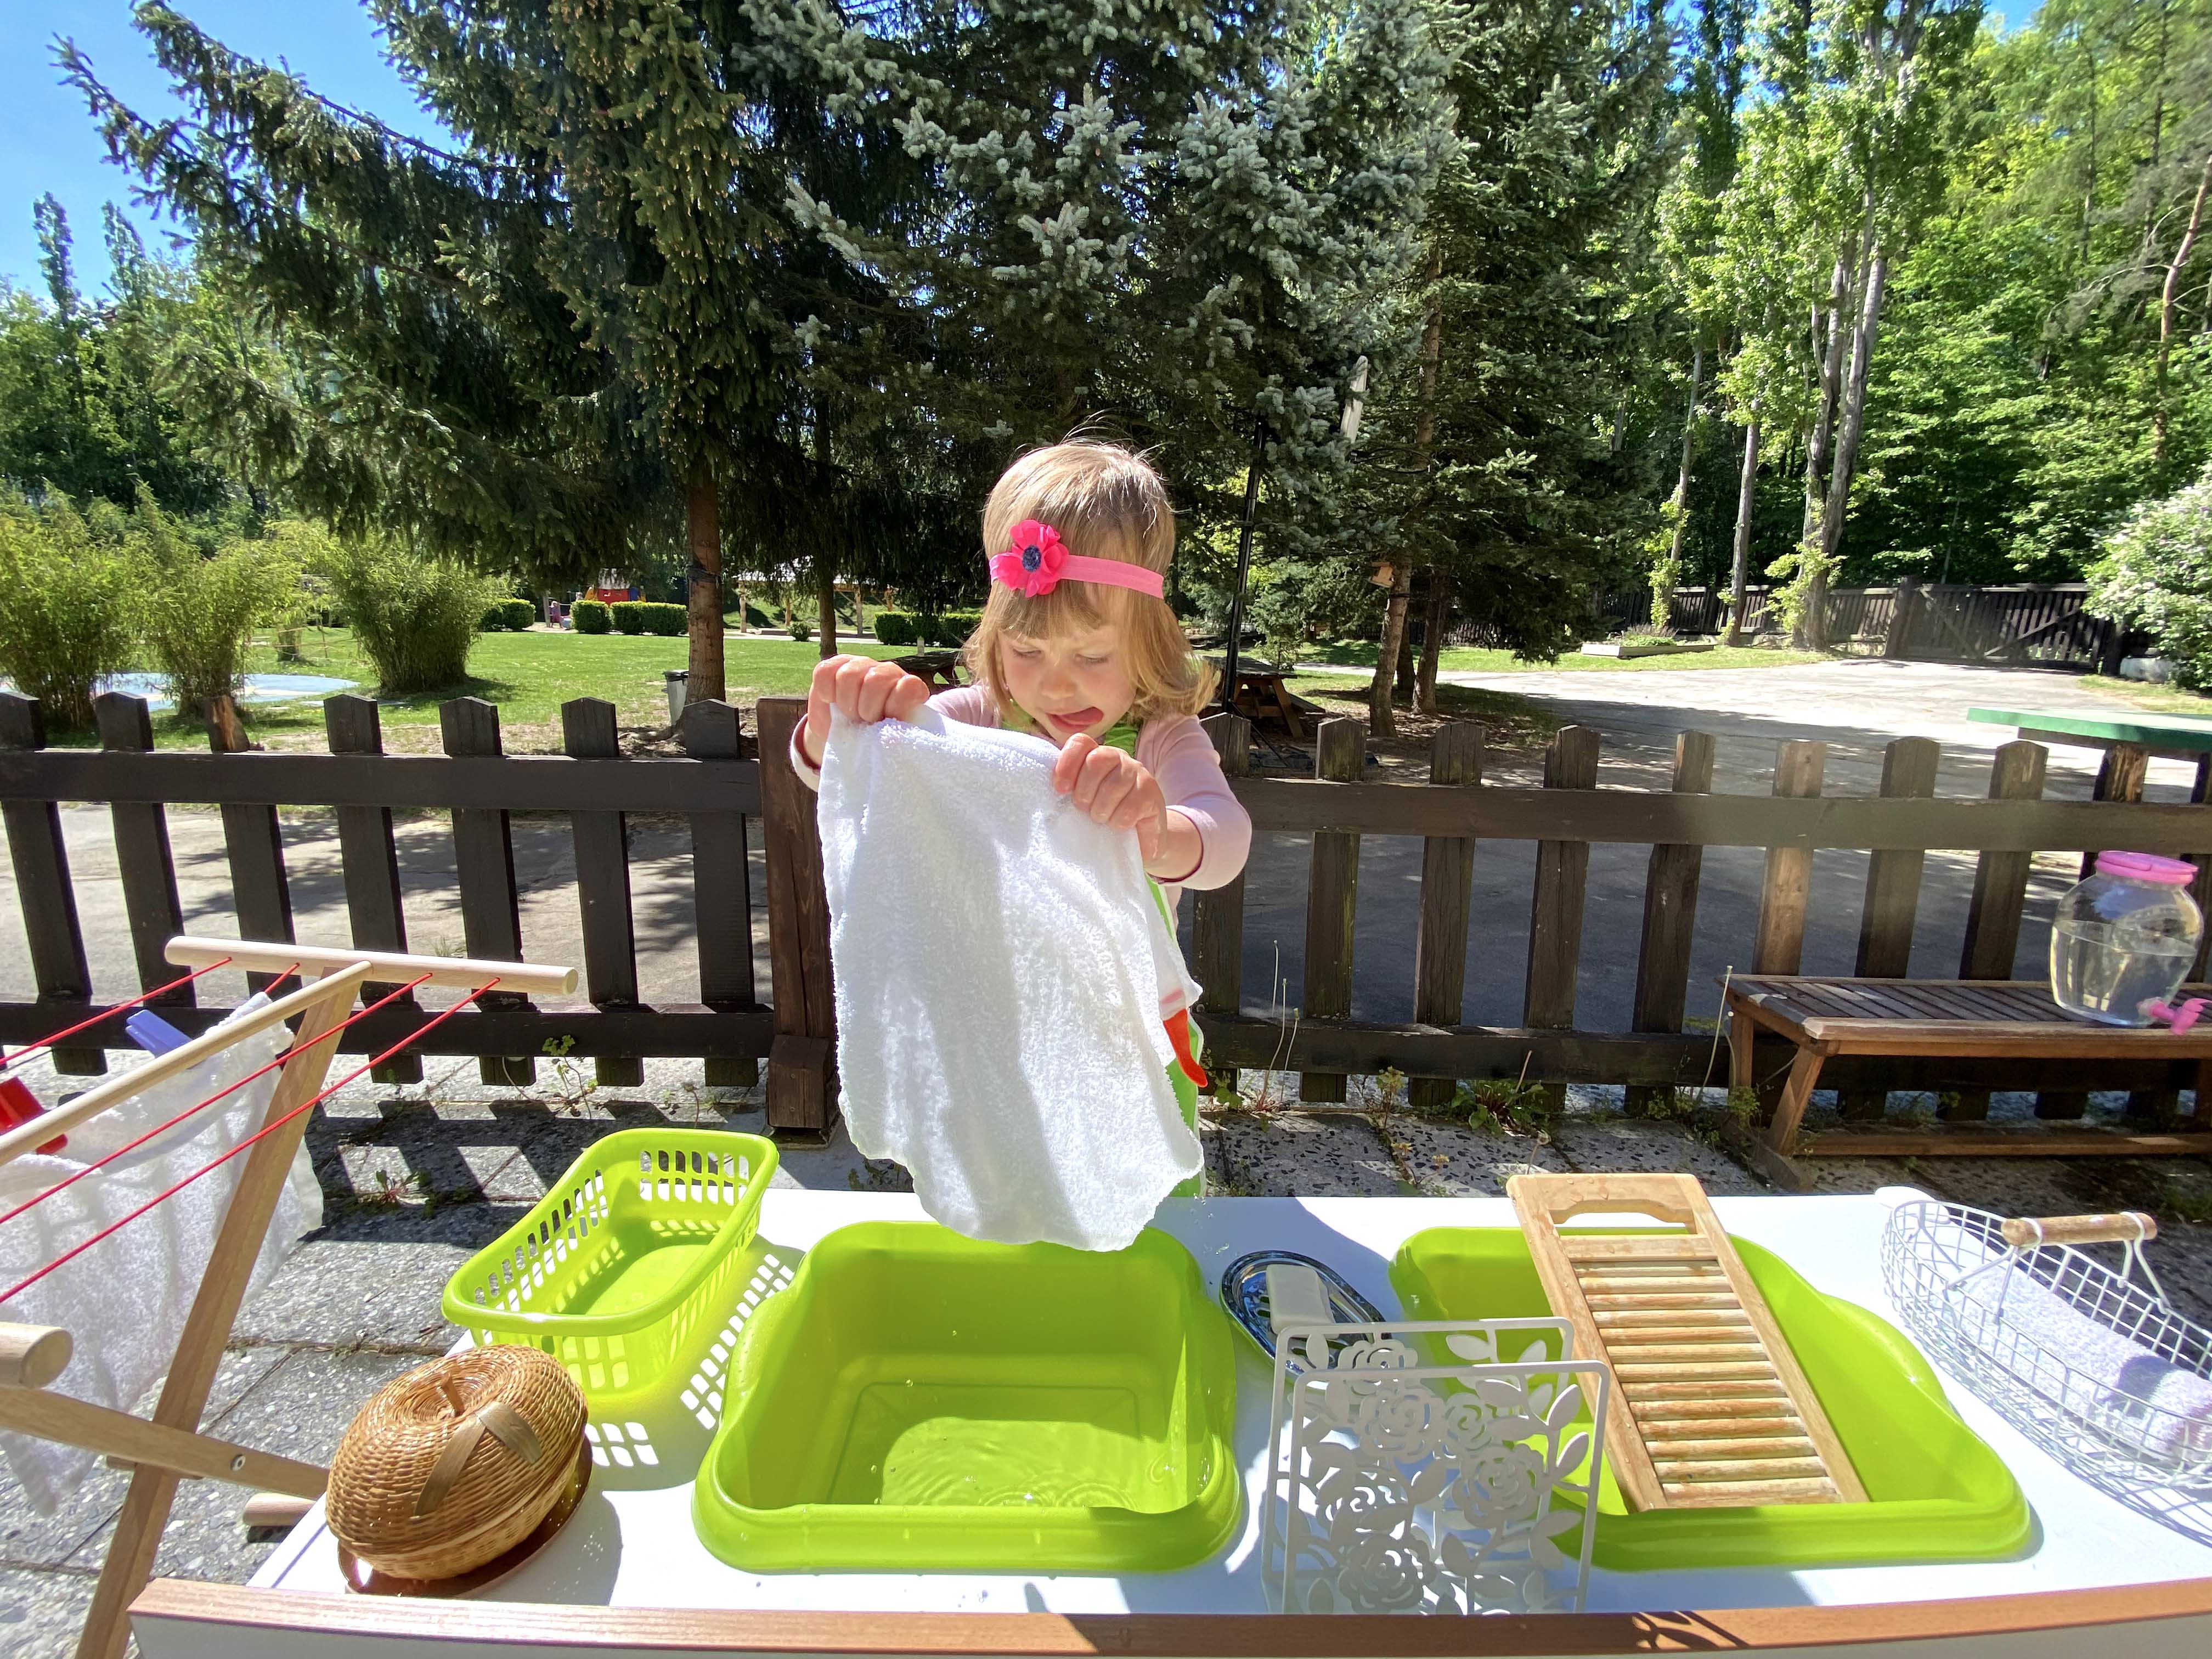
x,y
144,861
722,891
1555,911
2120,777
1892,888
602,844
2000,887
254,844
1670,915
42,886
370,864
483,863
1217,922
1332,899
1447,883
1789,885
802,1063
1902,604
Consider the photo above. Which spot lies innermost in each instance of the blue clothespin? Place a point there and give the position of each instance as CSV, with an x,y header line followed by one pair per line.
x,y
152,1033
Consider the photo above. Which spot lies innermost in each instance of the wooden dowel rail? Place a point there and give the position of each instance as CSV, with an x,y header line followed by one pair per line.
x,y
461,973
62,1119
132,1442
32,1356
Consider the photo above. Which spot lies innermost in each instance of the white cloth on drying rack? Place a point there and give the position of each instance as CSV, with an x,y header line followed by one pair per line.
x,y
1002,973
124,1301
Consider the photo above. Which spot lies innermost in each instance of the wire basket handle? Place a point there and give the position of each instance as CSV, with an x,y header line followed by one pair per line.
x,y
2126,1227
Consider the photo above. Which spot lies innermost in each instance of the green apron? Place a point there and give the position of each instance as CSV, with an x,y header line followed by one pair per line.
x,y
1123,736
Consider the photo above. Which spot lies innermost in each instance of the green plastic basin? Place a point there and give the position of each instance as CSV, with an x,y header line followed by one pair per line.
x,y
1935,1491
915,1399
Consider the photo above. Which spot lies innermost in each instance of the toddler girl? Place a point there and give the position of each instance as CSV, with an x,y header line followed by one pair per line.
x,y
1078,645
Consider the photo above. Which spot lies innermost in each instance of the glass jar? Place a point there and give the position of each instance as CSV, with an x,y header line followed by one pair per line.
x,y
2123,940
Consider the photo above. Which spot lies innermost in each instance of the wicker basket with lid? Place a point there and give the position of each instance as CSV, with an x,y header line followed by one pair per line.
x,y
456,1463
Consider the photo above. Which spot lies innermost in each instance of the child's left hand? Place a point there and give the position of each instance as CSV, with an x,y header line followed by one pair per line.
x,y
1111,788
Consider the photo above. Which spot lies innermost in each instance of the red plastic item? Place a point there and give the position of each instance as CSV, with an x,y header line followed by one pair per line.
x,y
18,1106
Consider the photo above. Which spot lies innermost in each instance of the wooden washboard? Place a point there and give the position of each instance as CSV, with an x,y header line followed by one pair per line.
x,y
1717,1414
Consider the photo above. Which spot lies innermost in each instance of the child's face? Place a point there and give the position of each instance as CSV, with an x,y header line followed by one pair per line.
x,y
1073,682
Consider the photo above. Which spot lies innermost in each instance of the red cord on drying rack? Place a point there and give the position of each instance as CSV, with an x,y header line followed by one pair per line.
x,y
76,1250
68,1182
8,1060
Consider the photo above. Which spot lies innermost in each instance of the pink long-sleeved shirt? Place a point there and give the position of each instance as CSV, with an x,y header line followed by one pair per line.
x,y
1173,748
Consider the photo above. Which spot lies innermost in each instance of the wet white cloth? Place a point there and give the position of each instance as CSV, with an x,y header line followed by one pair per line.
x,y
124,1301
1001,969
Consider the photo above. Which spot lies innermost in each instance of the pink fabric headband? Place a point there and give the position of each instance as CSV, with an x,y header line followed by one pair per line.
x,y
1036,561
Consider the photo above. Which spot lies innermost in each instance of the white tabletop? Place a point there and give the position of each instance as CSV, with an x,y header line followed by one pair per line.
x,y
631,1542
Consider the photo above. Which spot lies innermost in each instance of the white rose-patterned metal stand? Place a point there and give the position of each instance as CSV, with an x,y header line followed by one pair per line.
x,y
1418,1466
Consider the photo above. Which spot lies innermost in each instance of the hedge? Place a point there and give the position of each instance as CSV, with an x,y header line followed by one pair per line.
x,y
513,615
897,628
952,628
643,616
589,617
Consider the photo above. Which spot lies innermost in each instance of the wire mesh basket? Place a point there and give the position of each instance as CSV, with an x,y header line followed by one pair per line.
x,y
2092,1361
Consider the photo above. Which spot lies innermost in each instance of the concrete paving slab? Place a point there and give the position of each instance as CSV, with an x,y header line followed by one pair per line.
x,y
1289,1154
1642,1145
42,1610
374,1278
1451,1160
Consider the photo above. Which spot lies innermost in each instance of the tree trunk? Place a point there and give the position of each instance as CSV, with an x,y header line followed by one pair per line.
x,y
1832,359
2165,312
702,525
1380,721
1681,498
825,578
1740,572
1432,642
1402,691
1854,409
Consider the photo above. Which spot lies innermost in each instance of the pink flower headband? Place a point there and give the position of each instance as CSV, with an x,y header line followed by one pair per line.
x,y
1036,561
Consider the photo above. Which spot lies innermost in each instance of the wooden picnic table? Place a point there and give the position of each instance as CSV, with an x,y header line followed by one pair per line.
x,y
2174,737
938,669
1263,696
1955,1019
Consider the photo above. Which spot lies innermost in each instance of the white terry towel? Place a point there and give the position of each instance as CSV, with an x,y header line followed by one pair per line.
x,y
124,1301
1001,970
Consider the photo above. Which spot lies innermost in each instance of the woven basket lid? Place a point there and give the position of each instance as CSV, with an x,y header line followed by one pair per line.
x,y
456,1463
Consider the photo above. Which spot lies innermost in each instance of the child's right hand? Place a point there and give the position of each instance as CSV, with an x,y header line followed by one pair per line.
x,y
861,688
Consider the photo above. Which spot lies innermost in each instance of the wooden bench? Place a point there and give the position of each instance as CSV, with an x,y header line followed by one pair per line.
x,y
1956,1020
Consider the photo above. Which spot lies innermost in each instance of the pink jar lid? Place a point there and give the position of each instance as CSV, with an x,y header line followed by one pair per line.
x,y
2147,867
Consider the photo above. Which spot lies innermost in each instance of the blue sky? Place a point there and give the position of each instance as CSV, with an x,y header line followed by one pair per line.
x,y
47,140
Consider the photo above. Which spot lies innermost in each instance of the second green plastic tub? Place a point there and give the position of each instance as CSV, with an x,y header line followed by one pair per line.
x,y
918,1399
628,1269
1937,1493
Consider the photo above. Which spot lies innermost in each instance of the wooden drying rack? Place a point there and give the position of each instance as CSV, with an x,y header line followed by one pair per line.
x,y
169,1447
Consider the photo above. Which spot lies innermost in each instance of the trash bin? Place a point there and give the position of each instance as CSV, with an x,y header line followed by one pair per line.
x,y
675,682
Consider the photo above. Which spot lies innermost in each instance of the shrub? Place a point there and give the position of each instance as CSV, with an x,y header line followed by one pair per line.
x,y
414,617
515,616
202,612
952,628
2155,574
69,609
800,630
897,628
589,617
644,616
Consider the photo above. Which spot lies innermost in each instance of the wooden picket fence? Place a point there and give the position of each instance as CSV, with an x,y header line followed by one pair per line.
x,y
719,790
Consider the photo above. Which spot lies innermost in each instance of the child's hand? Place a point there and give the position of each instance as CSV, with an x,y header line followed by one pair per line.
x,y
861,688
1114,789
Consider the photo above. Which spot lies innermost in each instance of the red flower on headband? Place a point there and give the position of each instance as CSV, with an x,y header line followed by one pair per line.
x,y
1034,558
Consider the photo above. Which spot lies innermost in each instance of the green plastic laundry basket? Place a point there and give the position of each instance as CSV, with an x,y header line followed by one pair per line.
x,y
917,1400
629,1267
1935,1491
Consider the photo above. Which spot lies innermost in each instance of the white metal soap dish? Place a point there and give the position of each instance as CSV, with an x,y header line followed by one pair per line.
x,y
1268,1290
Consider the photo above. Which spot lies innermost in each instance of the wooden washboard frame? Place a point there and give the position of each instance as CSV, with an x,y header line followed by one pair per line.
x,y
1714,1411
169,1447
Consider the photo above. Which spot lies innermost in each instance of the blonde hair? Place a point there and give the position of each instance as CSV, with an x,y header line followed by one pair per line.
x,y
1106,503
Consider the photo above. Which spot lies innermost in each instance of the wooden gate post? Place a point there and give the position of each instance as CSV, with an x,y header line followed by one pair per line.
x,y
1670,915
1447,886
1902,602
1892,891
802,1061
1555,911
2000,887
1216,925
42,887
1332,899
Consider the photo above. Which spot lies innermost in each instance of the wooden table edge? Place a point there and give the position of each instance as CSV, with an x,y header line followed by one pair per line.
x,y
1156,1636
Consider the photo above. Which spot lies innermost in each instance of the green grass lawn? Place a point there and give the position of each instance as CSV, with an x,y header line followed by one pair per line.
x,y
1471,659
2158,699
528,677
